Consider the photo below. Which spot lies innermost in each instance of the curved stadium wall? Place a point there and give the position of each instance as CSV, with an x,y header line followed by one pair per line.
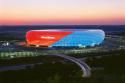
x,y
65,37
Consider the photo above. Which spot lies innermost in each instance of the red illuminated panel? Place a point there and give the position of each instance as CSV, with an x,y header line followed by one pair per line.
x,y
45,38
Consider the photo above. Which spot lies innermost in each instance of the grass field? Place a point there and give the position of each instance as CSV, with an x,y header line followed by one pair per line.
x,y
107,67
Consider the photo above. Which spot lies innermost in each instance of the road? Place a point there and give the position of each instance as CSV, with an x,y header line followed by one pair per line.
x,y
85,68
16,67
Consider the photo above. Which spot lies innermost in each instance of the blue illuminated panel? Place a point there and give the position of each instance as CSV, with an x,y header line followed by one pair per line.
x,y
82,39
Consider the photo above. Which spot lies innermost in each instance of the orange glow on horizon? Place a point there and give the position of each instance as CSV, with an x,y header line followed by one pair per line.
x,y
45,12
64,21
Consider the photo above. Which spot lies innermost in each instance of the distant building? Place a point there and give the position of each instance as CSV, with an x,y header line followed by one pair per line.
x,y
65,37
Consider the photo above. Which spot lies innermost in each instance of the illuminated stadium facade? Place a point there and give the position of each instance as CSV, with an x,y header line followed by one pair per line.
x,y
65,37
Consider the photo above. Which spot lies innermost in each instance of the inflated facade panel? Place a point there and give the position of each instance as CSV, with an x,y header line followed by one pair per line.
x,y
65,37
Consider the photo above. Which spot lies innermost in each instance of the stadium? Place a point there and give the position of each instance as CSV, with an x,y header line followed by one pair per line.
x,y
65,37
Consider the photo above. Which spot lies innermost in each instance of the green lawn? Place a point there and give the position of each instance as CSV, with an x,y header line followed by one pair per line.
x,y
109,68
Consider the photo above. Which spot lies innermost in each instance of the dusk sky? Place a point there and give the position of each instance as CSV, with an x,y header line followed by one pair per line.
x,y
53,12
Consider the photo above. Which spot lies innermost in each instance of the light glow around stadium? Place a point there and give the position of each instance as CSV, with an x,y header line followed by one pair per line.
x,y
65,37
